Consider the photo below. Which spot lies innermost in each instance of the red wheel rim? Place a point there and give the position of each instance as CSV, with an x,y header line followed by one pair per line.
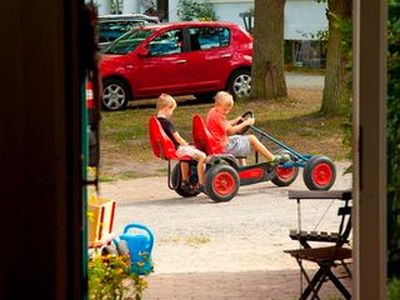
x,y
224,183
285,173
322,174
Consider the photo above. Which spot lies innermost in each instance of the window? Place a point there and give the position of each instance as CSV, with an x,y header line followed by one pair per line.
x,y
109,31
128,42
169,42
209,37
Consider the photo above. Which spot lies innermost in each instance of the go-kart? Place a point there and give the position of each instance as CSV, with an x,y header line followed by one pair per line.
x,y
224,175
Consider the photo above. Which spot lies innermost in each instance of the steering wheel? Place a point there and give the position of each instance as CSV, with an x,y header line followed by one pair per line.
x,y
246,115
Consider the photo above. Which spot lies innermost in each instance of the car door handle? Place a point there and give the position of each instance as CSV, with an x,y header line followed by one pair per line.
x,y
226,55
181,61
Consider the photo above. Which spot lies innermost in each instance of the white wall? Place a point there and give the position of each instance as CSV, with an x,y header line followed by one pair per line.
x,y
104,7
304,17
301,16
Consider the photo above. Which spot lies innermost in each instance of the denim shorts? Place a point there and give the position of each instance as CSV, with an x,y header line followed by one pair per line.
x,y
238,145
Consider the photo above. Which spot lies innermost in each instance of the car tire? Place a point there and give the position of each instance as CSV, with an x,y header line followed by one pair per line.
x,y
176,178
115,95
319,173
239,84
222,183
285,176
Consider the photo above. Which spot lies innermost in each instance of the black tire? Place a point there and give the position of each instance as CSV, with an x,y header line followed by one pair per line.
x,y
287,176
319,173
205,96
176,178
222,183
116,95
109,250
239,84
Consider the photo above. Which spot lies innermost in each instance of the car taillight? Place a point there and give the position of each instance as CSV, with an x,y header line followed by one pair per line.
x,y
89,95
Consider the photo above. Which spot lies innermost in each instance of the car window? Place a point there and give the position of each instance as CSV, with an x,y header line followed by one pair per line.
x,y
128,41
170,42
204,38
109,31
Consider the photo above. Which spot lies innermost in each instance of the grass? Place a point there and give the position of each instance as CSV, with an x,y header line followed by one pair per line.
x,y
126,152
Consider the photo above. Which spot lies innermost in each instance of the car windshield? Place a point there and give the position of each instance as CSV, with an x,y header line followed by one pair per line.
x,y
128,42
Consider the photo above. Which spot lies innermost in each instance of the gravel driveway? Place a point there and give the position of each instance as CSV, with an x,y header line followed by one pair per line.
x,y
248,233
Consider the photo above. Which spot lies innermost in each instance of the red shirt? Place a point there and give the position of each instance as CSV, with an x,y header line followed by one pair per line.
x,y
218,125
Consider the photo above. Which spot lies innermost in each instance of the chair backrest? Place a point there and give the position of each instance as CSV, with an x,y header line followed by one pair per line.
x,y
202,138
161,144
345,223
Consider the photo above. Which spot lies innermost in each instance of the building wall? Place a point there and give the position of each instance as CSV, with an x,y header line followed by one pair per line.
x,y
302,17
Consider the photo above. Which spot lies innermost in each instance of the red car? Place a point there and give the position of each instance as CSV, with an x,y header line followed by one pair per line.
x,y
198,58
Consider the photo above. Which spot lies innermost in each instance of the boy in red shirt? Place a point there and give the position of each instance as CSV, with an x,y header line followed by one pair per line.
x,y
166,105
224,131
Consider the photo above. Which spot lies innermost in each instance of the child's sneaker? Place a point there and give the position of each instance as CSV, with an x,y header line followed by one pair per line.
x,y
279,159
199,188
185,185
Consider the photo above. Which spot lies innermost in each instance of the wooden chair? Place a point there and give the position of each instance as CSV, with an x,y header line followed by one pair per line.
x,y
327,257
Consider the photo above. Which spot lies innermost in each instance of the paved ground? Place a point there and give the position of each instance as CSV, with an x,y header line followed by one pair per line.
x,y
232,250
250,285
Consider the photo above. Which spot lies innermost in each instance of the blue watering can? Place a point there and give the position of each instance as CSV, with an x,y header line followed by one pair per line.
x,y
140,247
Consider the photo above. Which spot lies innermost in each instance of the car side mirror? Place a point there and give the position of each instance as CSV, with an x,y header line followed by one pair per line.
x,y
143,52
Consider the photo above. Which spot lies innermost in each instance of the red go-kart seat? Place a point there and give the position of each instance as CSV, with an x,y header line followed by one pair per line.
x,y
203,139
161,144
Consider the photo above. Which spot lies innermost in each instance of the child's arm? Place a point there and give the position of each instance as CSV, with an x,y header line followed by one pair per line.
x,y
179,139
235,121
234,129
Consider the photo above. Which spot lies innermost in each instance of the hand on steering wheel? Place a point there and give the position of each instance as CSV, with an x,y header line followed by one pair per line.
x,y
248,114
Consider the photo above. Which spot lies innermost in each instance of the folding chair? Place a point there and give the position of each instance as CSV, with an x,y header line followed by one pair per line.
x,y
325,257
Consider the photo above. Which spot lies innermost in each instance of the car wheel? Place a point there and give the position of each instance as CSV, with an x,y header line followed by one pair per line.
x,y
115,95
240,84
176,178
222,183
319,173
285,176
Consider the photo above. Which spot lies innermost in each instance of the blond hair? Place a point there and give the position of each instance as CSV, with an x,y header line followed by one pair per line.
x,y
223,99
165,100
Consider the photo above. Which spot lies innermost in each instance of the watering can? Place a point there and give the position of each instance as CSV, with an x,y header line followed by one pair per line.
x,y
140,244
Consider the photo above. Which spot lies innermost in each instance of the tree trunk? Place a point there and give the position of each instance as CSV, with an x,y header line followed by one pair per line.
x,y
336,79
268,80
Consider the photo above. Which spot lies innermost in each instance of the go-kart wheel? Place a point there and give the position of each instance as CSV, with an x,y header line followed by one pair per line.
x,y
176,178
319,173
222,183
247,114
285,176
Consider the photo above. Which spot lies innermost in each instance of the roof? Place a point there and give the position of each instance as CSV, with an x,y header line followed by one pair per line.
x,y
129,16
190,23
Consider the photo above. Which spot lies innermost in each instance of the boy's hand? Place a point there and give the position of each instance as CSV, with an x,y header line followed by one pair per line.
x,y
249,121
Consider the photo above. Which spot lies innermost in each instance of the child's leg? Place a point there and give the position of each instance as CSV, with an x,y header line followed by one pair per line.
x,y
184,171
201,167
259,147
242,162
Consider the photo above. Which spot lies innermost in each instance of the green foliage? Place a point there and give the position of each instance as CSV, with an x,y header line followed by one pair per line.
x,y
191,10
393,138
110,278
393,291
